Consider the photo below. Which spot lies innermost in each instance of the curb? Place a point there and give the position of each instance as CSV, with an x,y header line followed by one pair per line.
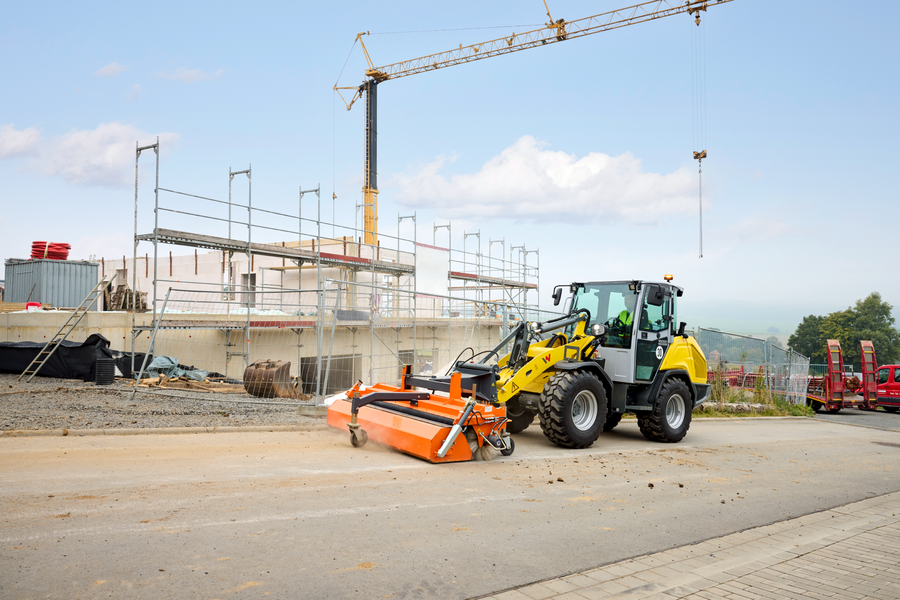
x,y
157,430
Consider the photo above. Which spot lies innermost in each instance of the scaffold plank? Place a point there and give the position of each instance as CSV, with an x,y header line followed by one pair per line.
x,y
209,242
491,281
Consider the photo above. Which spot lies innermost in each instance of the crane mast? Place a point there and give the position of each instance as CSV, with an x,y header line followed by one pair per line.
x,y
554,31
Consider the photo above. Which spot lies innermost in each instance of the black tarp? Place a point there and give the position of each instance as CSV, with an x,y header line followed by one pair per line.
x,y
72,360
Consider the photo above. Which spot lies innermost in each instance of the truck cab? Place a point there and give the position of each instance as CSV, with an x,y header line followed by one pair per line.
x,y
887,378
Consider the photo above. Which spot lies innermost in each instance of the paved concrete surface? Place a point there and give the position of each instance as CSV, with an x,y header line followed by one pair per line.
x,y
302,514
848,552
879,419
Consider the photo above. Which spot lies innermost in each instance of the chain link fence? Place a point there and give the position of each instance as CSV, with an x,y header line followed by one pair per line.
x,y
749,363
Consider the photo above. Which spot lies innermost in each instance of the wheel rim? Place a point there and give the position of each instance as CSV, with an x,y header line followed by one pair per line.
x,y
584,410
675,411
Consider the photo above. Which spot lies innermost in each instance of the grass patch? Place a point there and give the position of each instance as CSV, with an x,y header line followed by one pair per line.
x,y
774,405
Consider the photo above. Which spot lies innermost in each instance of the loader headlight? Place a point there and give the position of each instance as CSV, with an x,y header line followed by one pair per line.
x,y
597,329
535,327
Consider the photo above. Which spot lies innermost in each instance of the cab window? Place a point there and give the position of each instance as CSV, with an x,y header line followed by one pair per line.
x,y
612,305
883,376
896,375
652,316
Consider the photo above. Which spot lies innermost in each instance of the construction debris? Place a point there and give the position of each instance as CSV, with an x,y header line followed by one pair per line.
x,y
272,379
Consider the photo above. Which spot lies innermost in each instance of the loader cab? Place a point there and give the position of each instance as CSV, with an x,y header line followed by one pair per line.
x,y
639,317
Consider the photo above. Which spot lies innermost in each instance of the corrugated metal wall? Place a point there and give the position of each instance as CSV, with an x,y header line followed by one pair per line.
x,y
61,283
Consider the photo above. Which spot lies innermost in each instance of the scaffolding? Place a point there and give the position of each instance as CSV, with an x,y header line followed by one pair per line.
x,y
359,284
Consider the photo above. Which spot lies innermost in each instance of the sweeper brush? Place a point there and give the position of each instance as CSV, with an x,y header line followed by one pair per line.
x,y
442,426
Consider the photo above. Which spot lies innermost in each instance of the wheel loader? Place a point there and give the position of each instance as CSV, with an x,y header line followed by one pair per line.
x,y
615,350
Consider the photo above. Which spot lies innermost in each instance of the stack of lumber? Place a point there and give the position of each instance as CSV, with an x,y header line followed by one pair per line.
x,y
8,307
189,384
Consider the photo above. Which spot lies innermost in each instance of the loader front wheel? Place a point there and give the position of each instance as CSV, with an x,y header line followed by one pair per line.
x,y
572,409
670,418
520,422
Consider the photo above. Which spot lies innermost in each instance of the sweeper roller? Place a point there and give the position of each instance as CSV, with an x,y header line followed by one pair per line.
x,y
438,427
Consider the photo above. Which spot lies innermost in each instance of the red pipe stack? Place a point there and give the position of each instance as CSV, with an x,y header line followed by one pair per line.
x,y
51,250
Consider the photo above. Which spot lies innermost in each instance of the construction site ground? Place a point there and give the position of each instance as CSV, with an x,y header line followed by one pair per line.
x,y
302,514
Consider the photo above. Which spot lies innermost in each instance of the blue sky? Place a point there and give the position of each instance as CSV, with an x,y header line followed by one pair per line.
x,y
582,148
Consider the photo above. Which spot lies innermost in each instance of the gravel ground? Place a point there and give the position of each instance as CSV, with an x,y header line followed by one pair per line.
x,y
48,403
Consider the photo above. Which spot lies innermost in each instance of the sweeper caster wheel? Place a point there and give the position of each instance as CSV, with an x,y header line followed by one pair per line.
x,y
512,448
358,437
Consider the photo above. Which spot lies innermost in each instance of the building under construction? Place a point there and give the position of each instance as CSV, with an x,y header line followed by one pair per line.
x,y
220,284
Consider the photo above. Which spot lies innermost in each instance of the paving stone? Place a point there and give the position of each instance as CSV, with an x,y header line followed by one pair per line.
x,y
537,591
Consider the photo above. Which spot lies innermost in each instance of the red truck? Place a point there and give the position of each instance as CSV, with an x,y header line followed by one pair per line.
x,y
888,379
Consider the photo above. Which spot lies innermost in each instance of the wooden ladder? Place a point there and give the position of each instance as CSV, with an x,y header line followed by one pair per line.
x,y
64,331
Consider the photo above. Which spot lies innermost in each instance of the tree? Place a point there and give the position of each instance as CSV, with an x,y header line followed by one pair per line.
x,y
875,323
870,319
808,340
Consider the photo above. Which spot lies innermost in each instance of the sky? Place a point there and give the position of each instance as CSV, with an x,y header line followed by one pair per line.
x,y
581,149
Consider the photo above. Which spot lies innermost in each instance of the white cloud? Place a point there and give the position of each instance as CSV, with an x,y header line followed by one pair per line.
x,y
525,181
18,143
135,92
185,75
110,70
103,156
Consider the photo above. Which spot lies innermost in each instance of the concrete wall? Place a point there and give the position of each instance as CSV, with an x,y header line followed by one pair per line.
x,y
376,350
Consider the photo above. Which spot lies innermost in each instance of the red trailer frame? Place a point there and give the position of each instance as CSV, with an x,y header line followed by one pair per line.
x,y
869,388
828,392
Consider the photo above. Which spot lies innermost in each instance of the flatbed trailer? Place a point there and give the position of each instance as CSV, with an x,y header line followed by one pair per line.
x,y
831,394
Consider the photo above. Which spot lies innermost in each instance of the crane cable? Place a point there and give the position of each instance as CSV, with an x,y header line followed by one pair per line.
x,y
698,107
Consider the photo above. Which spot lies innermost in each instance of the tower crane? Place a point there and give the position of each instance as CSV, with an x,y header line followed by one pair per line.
x,y
553,31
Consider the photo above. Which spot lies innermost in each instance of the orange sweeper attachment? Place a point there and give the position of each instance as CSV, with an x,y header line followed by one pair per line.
x,y
455,422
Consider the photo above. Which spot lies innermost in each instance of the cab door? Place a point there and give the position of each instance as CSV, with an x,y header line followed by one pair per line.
x,y
653,330
889,391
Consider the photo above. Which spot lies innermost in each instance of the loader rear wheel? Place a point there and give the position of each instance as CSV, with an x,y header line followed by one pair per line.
x,y
612,419
572,409
670,418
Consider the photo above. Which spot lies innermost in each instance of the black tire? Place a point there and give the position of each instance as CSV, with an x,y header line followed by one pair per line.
x,y
572,409
891,409
612,419
512,448
670,418
520,422
816,406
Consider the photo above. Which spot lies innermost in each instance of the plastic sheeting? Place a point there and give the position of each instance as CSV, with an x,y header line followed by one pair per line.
x,y
72,360
169,367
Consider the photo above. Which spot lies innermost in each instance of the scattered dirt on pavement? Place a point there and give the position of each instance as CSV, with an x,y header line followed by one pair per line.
x,y
57,404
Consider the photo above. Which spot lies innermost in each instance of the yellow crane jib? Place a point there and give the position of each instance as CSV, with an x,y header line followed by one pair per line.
x,y
558,30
